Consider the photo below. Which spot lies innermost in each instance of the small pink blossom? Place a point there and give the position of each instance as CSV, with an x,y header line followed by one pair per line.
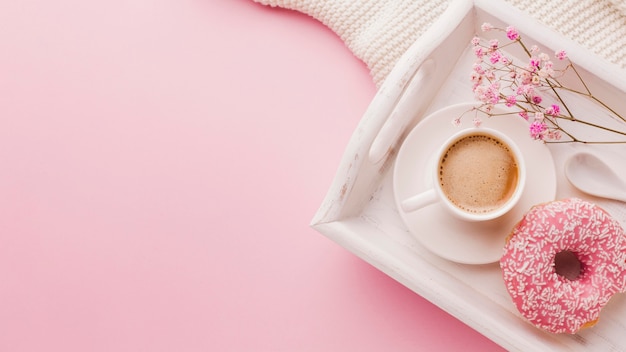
x,y
456,122
526,89
548,70
476,121
537,99
533,62
553,110
479,51
487,94
535,80
495,57
494,44
475,77
475,41
561,55
494,89
486,27
525,77
537,129
512,33
539,116
544,57
524,115
511,100
554,135
545,72
534,49
479,92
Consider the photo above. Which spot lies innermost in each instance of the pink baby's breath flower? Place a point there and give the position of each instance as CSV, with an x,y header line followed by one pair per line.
x,y
495,57
498,80
549,71
456,122
533,62
512,33
479,92
524,115
494,91
554,135
542,73
511,100
475,77
537,129
545,72
487,94
525,78
537,99
535,80
553,110
526,89
479,51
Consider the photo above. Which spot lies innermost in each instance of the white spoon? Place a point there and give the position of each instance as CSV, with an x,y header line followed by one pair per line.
x,y
593,176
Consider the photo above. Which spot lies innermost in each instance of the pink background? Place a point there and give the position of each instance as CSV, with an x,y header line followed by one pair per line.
x,y
161,161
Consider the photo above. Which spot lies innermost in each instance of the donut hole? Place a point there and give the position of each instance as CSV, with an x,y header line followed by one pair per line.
x,y
567,265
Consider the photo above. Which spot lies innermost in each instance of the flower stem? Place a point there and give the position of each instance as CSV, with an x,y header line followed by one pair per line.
x,y
498,80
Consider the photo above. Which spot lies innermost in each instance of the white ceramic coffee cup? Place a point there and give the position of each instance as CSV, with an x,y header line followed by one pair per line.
x,y
436,193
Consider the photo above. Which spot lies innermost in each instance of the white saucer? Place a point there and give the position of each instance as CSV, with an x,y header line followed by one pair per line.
x,y
440,232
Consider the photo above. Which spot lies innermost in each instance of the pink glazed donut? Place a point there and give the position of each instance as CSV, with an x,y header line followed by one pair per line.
x,y
562,263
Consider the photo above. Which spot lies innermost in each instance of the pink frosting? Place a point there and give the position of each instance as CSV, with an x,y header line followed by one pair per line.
x,y
547,299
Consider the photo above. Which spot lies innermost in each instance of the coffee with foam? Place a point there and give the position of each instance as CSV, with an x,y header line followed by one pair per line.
x,y
478,173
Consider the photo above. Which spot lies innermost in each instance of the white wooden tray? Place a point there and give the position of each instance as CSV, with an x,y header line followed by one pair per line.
x,y
360,212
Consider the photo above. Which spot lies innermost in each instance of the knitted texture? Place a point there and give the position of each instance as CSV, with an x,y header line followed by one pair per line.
x,y
379,31
620,4
597,25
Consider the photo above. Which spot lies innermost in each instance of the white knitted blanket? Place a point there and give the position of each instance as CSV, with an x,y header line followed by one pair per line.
x,y
379,31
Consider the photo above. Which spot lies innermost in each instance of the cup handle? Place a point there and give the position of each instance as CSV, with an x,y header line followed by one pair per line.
x,y
419,201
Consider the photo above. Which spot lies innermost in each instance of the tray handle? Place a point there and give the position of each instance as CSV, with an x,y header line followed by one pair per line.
x,y
407,107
